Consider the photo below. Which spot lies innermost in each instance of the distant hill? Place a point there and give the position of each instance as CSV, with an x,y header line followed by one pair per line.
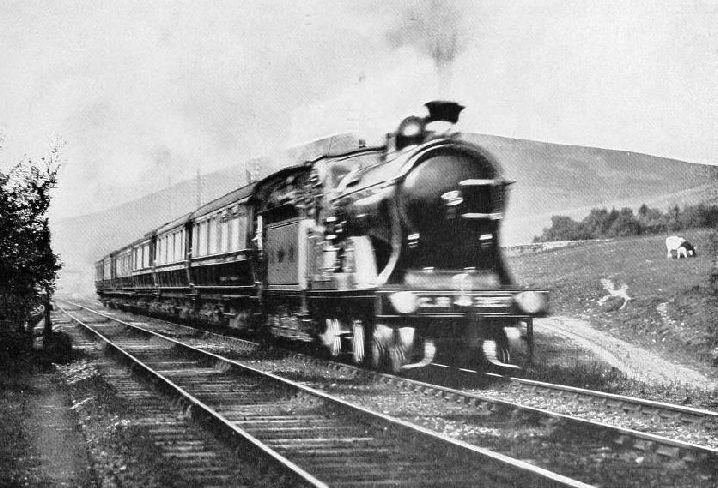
x,y
571,180
550,179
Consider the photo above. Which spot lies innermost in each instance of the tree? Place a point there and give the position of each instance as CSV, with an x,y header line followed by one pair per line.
x,y
597,222
28,266
651,220
625,224
564,229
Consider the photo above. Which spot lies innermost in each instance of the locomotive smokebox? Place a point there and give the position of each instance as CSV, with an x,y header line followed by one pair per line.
x,y
443,111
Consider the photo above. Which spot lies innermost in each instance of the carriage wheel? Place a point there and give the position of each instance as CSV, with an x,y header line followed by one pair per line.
x,y
216,317
358,338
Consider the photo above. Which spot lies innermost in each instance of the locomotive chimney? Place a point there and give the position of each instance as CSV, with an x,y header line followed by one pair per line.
x,y
442,111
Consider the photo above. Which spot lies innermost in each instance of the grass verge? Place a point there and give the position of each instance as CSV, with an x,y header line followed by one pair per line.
x,y
672,309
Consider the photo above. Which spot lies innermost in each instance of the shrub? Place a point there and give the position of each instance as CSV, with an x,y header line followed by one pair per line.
x,y
28,265
15,348
600,223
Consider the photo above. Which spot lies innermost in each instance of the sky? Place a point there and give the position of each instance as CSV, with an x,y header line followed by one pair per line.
x,y
145,94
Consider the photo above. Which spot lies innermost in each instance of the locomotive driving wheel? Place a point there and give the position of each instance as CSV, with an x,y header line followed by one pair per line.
x,y
331,338
358,339
392,348
380,343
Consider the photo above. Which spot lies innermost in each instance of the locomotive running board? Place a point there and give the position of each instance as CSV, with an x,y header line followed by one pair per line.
x,y
429,353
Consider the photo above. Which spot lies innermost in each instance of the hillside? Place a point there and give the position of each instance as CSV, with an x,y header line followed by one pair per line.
x,y
571,180
550,179
672,307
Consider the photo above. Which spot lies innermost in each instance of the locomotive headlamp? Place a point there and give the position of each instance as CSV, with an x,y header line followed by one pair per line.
x,y
404,301
531,302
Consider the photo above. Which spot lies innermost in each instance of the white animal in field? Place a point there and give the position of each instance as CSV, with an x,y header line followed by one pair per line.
x,y
681,247
610,287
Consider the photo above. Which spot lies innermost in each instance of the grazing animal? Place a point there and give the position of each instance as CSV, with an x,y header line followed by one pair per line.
x,y
686,250
679,247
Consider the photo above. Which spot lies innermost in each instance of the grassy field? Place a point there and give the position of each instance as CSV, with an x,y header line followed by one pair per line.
x,y
683,329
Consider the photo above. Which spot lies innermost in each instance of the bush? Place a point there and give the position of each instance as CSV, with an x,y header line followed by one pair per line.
x,y
600,223
57,348
28,266
15,348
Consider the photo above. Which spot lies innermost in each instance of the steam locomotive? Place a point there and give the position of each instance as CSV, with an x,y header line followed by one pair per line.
x,y
384,255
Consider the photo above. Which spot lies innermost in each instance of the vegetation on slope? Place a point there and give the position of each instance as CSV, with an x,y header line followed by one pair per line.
x,y
673,306
601,224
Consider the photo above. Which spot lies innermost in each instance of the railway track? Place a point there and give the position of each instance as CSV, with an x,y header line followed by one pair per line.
x,y
591,451
317,439
167,447
679,422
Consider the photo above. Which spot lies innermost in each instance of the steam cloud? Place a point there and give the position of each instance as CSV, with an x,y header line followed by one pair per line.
x,y
434,29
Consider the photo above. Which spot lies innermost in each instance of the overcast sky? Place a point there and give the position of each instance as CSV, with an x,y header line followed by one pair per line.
x,y
145,93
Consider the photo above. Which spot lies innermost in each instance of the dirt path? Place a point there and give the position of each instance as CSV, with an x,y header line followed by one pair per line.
x,y
40,444
635,362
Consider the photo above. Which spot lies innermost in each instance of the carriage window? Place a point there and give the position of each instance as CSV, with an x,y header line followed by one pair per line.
x,y
175,247
195,241
235,243
241,232
223,231
202,237
176,250
213,236
231,235
179,251
170,243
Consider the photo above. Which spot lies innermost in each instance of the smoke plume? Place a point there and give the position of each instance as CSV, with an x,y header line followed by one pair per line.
x,y
434,29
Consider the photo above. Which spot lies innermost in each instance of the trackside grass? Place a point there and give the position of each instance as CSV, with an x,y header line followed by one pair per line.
x,y
672,309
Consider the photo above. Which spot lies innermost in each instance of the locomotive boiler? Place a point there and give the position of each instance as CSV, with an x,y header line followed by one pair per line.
x,y
389,255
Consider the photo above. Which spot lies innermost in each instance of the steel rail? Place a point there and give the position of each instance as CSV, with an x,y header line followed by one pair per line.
x,y
527,472
668,447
